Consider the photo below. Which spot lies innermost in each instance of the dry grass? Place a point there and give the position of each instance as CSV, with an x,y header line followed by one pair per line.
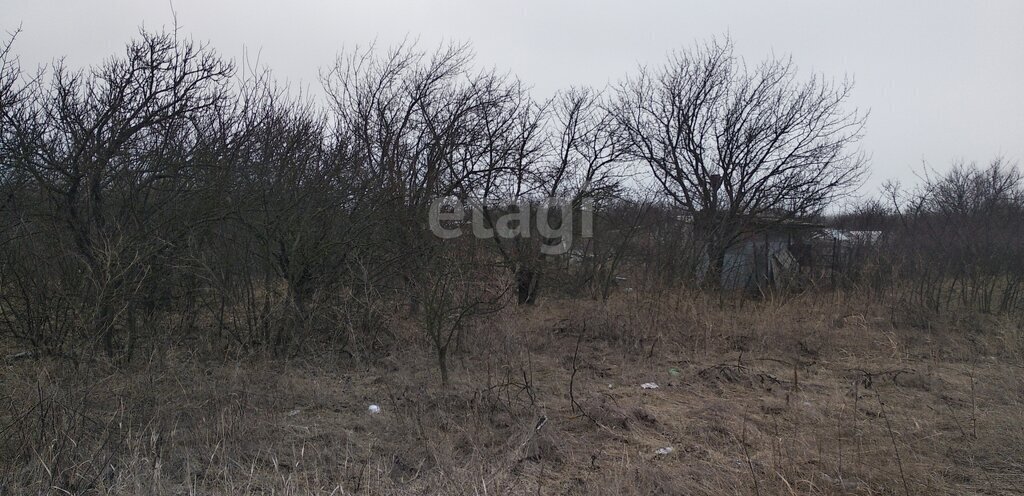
x,y
817,395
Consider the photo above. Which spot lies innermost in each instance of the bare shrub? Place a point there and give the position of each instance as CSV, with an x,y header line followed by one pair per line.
x,y
958,240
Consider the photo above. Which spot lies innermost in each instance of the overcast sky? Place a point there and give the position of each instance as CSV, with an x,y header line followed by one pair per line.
x,y
944,80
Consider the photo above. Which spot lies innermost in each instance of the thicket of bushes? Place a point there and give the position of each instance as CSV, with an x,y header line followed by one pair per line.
x,y
163,195
957,241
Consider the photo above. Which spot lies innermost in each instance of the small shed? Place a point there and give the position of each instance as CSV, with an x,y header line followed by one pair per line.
x,y
759,262
769,256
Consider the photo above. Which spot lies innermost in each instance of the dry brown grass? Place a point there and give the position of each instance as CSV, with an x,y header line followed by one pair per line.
x,y
814,395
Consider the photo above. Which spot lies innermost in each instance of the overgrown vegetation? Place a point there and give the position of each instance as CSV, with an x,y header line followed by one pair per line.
x,y
205,278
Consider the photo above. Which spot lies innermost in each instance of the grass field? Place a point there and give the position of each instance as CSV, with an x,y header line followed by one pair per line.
x,y
813,395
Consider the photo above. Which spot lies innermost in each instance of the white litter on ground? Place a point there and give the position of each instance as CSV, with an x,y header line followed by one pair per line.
x,y
649,385
374,409
664,451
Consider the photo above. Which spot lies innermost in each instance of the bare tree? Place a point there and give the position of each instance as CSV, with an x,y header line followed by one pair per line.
x,y
10,71
109,149
11,96
571,151
454,294
730,143
424,126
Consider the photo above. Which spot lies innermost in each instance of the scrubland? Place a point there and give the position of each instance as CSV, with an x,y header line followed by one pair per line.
x,y
812,394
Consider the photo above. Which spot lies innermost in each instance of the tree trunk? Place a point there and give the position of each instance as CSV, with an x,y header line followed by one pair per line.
x,y
527,282
442,364
716,266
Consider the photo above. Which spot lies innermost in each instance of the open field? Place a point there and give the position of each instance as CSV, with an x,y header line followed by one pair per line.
x,y
816,395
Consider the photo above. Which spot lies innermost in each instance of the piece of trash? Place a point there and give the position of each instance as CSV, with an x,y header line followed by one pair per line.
x,y
674,372
649,385
374,409
664,451
294,412
540,423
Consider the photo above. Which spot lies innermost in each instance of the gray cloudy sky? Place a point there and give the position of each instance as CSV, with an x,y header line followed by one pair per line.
x,y
943,79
